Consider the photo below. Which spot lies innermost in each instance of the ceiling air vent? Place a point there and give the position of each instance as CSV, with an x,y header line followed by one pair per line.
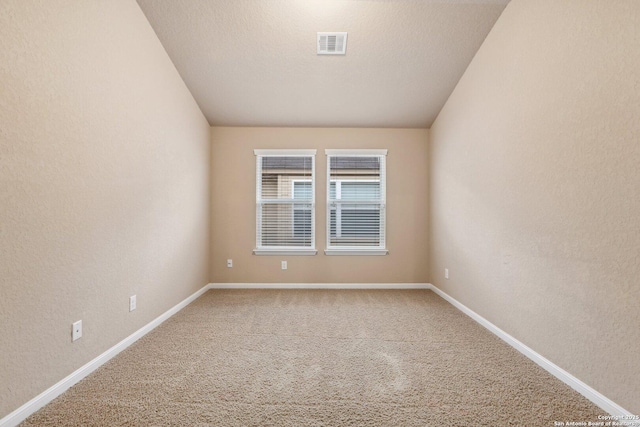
x,y
332,43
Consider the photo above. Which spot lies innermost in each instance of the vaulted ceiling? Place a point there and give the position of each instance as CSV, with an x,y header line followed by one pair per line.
x,y
254,62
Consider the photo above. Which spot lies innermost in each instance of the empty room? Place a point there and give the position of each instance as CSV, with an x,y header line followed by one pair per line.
x,y
319,212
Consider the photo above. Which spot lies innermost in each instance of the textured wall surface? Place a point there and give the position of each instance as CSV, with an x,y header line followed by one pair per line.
x,y
104,186
535,176
233,216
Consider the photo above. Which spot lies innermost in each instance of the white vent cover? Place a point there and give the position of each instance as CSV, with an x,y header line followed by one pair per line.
x,y
332,43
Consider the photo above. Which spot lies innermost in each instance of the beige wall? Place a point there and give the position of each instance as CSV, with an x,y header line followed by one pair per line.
x,y
535,184
104,186
233,209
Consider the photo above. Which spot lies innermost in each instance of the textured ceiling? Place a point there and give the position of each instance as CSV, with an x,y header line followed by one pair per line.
x,y
254,62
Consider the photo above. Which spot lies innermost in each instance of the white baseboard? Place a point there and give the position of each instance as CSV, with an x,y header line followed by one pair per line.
x,y
319,286
20,414
594,396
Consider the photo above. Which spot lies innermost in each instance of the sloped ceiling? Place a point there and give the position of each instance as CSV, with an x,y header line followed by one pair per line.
x,y
254,62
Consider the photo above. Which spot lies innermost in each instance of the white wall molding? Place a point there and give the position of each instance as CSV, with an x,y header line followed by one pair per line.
x,y
20,414
319,286
16,417
590,393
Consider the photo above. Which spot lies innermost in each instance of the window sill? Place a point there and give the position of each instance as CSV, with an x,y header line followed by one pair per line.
x,y
291,252
357,252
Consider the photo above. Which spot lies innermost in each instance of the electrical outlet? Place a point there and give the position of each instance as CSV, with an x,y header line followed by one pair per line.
x,y
76,330
446,273
229,263
132,303
284,265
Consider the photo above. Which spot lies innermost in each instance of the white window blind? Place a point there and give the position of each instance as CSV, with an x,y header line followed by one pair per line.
x,y
356,202
285,215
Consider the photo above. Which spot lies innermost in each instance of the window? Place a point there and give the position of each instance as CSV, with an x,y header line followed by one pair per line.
x,y
285,191
356,196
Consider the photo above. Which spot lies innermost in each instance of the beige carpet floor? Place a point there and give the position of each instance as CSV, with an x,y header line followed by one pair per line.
x,y
318,358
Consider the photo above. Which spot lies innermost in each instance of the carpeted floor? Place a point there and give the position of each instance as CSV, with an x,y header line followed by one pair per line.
x,y
318,358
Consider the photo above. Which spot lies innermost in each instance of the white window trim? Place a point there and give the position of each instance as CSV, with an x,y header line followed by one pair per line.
x,y
286,250
354,153
284,152
356,251
291,252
